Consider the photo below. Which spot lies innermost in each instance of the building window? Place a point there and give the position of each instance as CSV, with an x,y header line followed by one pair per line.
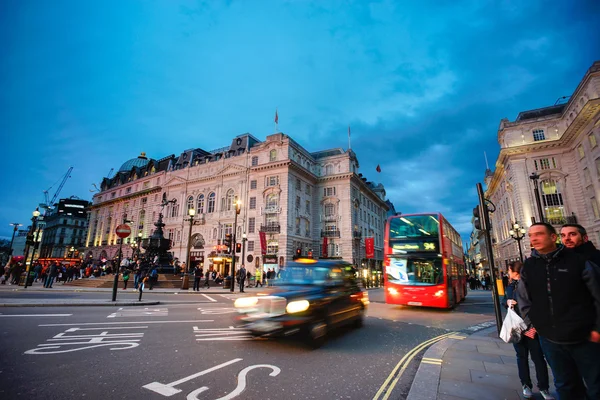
x,y
190,204
253,184
128,190
587,178
298,184
174,210
272,181
200,204
595,208
307,228
307,189
580,151
297,202
538,134
329,210
250,245
329,191
552,198
228,228
272,247
297,226
328,169
211,203
230,200
254,161
592,139
251,225
272,201
253,203
144,201
273,155
307,207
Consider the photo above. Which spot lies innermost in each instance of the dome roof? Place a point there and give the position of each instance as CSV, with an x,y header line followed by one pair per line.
x,y
140,161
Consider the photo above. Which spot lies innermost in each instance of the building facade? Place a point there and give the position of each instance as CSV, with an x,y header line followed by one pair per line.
x,y
65,230
554,149
316,204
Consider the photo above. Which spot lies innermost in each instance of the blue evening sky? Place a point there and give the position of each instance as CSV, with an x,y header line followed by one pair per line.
x,y
423,84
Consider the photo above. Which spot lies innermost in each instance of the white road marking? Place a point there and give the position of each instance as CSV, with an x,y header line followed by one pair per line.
x,y
230,333
140,312
139,322
115,341
216,311
35,315
242,380
208,297
169,388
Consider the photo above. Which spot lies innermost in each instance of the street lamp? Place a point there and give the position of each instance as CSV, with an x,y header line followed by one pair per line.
x,y
536,191
16,228
139,242
72,250
31,240
238,208
244,239
518,233
185,284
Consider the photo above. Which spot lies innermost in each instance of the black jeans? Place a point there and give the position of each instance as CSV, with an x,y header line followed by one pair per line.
x,y
197,283
242,281
572,362
531,346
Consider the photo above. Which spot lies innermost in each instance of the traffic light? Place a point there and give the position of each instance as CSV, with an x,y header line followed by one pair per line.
x,y
298,252
478,218
228,240
238,247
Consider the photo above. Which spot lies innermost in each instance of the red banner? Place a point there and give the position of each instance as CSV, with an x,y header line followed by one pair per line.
x,y
324,252
263,242
370,247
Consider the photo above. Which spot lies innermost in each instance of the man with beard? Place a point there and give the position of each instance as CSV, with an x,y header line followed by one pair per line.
x,y
574,236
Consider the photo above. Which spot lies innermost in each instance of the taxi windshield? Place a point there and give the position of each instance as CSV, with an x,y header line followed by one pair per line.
x,y
304,275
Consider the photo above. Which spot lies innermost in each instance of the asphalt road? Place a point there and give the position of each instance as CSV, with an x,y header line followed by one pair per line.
x,y
194,351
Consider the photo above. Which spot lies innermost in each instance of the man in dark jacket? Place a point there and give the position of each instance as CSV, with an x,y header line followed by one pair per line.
x,y
574,237
559,294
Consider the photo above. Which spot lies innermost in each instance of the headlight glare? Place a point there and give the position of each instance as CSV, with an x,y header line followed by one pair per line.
x,y
297,306
245,302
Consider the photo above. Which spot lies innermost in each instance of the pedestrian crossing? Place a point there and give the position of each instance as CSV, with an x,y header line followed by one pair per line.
x,y
126,312
222,334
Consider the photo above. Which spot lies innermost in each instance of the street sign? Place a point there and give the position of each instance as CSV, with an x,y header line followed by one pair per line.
x,y
123,231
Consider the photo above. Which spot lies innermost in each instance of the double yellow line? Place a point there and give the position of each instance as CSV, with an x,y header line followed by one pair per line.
x,y
403,364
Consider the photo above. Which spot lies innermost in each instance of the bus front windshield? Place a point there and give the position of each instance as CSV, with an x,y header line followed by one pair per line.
x,y
413,227
415,271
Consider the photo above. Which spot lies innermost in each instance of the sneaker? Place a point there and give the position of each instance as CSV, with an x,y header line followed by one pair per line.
x,y
527,393
546,395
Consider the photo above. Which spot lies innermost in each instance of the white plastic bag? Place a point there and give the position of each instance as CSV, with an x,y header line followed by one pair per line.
x,y
512,327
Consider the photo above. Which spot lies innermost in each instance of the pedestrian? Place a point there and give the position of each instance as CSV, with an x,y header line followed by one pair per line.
x,y
143,284
574,237
51,275
258,278
125,278
559,295
137,276
198,273
206,278
153,277
527,345
242,275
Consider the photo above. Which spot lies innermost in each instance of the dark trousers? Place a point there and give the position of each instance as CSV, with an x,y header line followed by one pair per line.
x,y
49,281
572,362
524,348
206,284
197,280
242,281
125,284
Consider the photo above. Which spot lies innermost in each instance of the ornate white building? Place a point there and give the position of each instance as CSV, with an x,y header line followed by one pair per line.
x,y
559,144
315,202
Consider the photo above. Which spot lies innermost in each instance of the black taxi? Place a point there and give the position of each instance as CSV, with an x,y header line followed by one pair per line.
x,y
312,298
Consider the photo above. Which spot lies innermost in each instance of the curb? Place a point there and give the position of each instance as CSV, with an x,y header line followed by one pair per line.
x,y
427,379
111,304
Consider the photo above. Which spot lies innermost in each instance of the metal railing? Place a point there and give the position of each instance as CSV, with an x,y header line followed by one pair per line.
x,y
568,219
271,228
330,233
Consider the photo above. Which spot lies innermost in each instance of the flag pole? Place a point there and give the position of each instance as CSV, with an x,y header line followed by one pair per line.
x,y
349,145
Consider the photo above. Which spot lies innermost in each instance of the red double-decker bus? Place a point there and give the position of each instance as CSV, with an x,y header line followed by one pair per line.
x,y
423,261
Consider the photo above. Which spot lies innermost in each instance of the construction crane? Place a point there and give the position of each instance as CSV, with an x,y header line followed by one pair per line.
x,y
49,204
96,188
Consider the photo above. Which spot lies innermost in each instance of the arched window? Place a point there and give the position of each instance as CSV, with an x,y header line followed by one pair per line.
x,y
329,210
229,200
200,204
211,203
552,200
328,169
190,204
215,233
142,216
273,155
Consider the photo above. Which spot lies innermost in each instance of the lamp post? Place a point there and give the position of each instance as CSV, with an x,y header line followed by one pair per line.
x,y
185,283
244,239
16,228
238,208
518,233
139,242
31,240
536,191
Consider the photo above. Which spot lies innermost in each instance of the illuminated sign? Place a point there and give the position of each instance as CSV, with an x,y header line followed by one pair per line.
x,y
406,247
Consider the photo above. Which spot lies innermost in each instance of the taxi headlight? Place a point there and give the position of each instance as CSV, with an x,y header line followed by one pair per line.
x,y
245,302
297,306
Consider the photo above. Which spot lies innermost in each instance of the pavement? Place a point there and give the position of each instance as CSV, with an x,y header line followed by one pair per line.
x,y
478,366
